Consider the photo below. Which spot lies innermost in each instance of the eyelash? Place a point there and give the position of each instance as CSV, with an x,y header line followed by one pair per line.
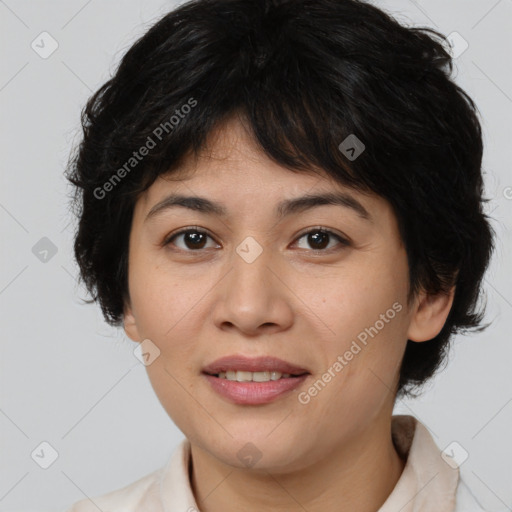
x,y
344,242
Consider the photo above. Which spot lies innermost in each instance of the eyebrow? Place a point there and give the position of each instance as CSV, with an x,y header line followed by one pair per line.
x,y
283,209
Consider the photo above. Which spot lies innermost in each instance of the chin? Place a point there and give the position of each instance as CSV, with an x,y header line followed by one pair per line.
x,y
259,451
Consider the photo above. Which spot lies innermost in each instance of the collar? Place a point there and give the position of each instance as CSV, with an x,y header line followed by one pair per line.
x,y
427,483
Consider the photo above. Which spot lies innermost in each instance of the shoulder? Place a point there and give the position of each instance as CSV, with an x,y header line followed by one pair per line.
x,y
169,483
125,499
465,500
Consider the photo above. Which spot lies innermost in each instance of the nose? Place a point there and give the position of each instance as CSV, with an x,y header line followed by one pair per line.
x,y
254,297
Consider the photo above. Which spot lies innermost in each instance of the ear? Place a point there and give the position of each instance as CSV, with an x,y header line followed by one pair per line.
x,y
130,325
429,317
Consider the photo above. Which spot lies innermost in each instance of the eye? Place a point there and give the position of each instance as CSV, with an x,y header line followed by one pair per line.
x,y
194,238
318,238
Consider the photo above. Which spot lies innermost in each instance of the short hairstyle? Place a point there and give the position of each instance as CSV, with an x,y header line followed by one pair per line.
x,y
303,75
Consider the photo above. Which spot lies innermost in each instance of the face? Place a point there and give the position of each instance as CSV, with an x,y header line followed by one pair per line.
x,y
321,287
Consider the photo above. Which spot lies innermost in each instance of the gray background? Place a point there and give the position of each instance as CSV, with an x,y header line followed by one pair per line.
x,y
69,379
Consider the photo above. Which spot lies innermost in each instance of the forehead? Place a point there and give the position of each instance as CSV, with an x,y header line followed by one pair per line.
x,y
231,153
232,165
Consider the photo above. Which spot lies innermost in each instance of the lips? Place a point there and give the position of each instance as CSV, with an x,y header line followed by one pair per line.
x,y
257,364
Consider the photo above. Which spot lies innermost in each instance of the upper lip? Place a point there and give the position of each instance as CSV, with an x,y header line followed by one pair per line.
x,y
252,364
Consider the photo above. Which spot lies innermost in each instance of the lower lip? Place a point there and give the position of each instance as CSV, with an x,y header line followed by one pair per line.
x,y
253,393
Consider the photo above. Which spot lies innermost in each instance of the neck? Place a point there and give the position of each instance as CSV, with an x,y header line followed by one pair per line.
x,y
358,475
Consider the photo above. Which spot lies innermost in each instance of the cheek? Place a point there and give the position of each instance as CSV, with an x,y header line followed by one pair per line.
x,y
166,316
350,306
366,317
165,305
167,310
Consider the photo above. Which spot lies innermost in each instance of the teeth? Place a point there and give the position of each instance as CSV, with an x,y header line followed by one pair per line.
x,y
242,376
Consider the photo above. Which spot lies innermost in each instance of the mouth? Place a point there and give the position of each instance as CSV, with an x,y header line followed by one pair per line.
x,y
253,381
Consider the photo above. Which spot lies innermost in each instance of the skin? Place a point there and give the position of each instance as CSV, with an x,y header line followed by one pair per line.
x,y
292,302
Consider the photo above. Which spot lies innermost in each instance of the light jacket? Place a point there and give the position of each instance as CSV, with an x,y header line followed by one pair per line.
x,y
428,482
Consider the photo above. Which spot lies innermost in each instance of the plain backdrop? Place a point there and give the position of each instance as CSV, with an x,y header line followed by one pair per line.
x,y
70,380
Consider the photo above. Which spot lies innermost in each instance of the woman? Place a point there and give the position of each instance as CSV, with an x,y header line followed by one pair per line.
x,y
281,202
